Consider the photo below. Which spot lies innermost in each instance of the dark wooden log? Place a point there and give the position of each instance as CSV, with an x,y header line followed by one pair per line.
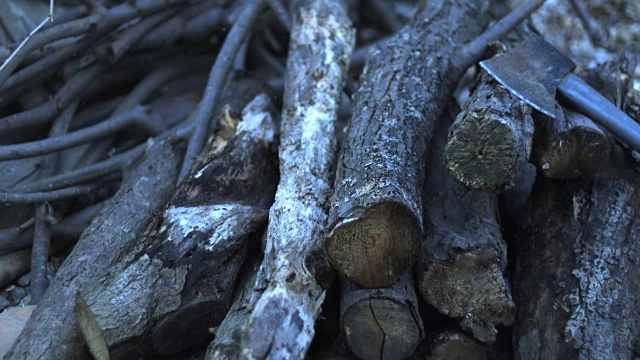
x,y
570,146
491,139
375,219
52,332
453,345
577,278
226,344
281,325
165,295
381,323
463,255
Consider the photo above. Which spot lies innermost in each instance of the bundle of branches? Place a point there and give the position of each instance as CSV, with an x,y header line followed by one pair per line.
x,y
284,179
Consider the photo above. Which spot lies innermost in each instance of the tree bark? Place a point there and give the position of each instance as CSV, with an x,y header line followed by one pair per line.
x,y
226,344
52,332
577,286
180,279
463,254
282,323
491,139
375,219
381,323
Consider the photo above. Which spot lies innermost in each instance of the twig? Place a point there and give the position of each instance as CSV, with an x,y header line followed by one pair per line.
x,y
33,32
386,15
43,113
281,12
224,62
40,147
46,196
40,253
472,51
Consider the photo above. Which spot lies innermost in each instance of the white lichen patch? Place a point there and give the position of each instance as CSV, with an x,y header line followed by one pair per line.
x,y
219,222
257,121
598,259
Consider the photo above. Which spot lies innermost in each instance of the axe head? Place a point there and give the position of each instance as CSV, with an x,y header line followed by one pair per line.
x,y
531,71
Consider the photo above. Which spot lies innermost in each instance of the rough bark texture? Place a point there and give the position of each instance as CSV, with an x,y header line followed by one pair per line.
x,y
52,332
577,276
491,139
226,344
463,254
381,323
570,146
452,345
282,323
375,220
180,278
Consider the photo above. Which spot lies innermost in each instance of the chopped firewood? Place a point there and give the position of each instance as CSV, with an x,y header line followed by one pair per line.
x,y
381,323
463,255
52,331
453,345
576,284
570,146
375,219
12,322
281,325
491,139
181,275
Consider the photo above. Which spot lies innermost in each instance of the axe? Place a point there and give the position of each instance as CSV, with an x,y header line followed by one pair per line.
x,y
533,71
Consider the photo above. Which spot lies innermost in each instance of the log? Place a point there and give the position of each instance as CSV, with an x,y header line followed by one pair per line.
x,y
454,345
491,139
381,323
463,255
52,331
570,146
375,218
577,278
281,325
180,279
12,322
226,344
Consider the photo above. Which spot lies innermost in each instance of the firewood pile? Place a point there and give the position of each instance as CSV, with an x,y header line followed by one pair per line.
x,y
321,179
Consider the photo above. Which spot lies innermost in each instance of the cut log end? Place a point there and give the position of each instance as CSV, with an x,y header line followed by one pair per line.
x,y
456,346
472,290
483,151
576,152
375,247
387,329
91,330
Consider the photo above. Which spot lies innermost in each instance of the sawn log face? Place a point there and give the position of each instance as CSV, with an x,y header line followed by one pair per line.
x,y
375,219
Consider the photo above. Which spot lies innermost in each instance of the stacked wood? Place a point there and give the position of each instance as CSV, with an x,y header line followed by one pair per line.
x,y
180,277
375,219
281,324
576,272
491,139
576,280
463,256
381,323
569,146
453,345
52,331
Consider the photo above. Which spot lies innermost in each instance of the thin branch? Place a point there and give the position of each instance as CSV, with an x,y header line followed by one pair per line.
x,y
48,196
281,12
40,147
40,253
219,72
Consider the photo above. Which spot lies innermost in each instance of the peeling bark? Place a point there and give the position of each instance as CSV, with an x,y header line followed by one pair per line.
x,y
180,279
282,324
375,219
463,255
52,331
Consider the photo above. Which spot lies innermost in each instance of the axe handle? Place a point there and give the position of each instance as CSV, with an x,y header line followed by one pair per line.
x,y
589,102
